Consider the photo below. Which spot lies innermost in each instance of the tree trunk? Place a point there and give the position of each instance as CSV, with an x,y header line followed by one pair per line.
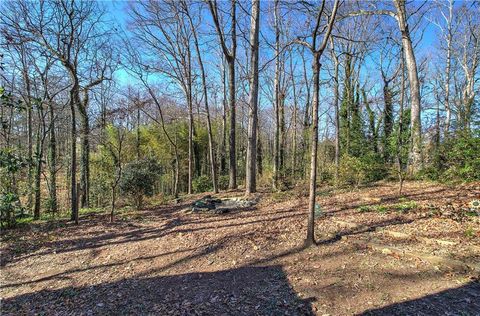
x,y
251,175
294,119
259,152
306,117
276,146
190,144
313,155
387,117
231,85
112,210
336,97
415,155
400,128
52,154
447,70
74,100
223,146
232,183
84,156
137,144
207,109
38,174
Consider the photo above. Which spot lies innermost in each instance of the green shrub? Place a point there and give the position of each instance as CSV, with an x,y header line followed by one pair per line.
x,y
202,184
462,158
350,171
456,159
405,207
357,171
223,182
138,179
373,167
10,208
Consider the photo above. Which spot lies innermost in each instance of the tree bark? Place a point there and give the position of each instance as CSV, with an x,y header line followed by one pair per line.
x,y
259,152
317,53
84,154
387,117
336,97
230,56
251,175
448,70
415,155
276,146
232,182
313,154
52,155
74,100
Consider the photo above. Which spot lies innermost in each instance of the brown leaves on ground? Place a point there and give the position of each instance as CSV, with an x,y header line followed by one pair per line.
x,y
251,262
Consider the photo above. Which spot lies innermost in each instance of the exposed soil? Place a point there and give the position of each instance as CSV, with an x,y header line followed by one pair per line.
x,y
165,261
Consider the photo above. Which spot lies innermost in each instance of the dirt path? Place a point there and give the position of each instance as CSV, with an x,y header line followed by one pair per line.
x,y
168,262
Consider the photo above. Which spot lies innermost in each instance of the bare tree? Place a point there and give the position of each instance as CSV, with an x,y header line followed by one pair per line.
x,y
401,17
67,30
162,29
213,166
230,58
317,48
251,183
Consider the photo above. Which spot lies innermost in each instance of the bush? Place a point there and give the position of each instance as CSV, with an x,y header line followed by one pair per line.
x,y
10,209
350,171
357,171
456,159
10,205
461,158
223,182
138,180
202,184
373,167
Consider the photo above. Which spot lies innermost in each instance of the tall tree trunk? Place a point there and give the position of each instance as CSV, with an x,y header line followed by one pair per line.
x,y
38,169
317,53
306,116
251,175
415,155
276,147
294,119
52,155
336,98
313,154
283,137
259,152
137,144
190,144
84,155
387,117
448,69
400,127
232,182
74,100
223,145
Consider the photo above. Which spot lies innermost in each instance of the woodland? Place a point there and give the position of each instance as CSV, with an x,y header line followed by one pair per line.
x,y
240,157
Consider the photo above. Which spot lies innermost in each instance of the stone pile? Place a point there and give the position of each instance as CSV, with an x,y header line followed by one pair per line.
x,y
208,204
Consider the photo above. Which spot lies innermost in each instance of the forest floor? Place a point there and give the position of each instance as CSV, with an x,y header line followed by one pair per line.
x,y
378,254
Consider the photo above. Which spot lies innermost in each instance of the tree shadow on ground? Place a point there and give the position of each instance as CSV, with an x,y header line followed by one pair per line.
x,y
261,290
464,300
